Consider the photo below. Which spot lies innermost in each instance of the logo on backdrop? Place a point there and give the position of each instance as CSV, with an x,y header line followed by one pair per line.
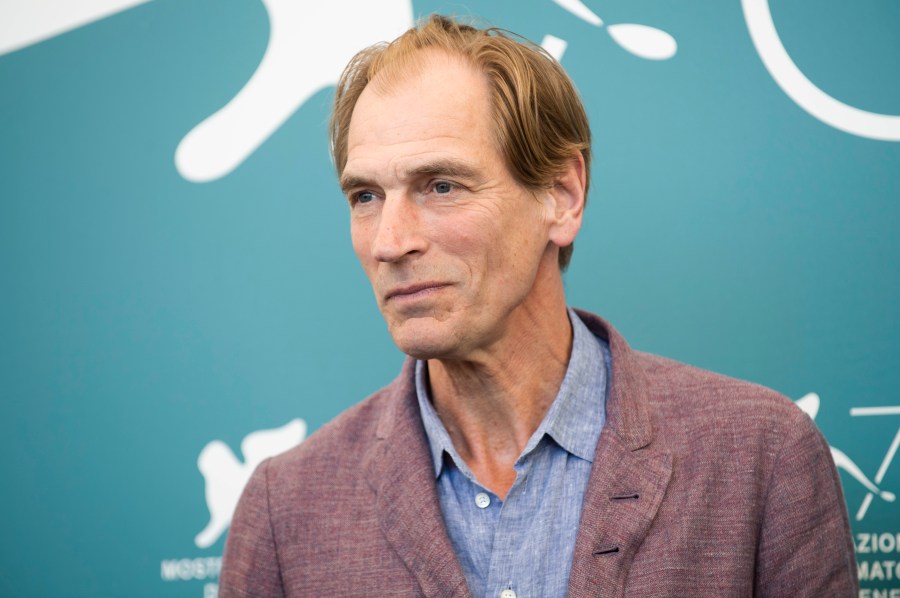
x,y
888,456
810,404
226,476
793,82
225,139
219,144
876,552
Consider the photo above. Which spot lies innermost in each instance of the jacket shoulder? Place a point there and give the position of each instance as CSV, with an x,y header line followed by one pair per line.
x,y
343,439
679,389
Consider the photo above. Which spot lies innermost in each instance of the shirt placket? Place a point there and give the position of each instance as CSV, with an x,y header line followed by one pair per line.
x,y
508,578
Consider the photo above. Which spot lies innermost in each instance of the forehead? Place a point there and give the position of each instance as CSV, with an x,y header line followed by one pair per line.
x,y
438,107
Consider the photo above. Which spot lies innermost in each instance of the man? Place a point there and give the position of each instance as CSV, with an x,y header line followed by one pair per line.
x,y
525,449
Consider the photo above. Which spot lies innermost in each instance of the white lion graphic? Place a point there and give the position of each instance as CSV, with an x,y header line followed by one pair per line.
x,y
226,477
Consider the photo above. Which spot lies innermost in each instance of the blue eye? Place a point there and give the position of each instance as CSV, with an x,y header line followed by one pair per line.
x,y
365,197
443,187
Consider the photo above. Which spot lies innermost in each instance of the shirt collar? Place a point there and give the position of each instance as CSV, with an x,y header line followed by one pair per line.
x,y
575,418
438,438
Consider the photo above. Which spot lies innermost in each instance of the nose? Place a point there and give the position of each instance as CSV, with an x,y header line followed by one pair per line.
x,y
398,230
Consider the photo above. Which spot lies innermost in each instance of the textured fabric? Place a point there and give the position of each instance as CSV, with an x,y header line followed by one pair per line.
x,y
701,486
525,543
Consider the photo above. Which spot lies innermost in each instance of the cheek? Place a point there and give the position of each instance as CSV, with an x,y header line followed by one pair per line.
x,y
520,247
361,239
494,240
472,242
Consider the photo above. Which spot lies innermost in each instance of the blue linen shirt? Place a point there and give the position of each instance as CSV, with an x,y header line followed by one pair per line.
x,y
525,543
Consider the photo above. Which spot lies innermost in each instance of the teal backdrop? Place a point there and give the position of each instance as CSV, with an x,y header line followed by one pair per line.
x,y
179,298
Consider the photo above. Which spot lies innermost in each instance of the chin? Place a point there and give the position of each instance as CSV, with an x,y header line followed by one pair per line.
x,y
421,340
425,348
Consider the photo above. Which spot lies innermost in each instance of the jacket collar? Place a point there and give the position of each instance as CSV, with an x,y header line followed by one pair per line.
x,y
401,473
627,411
628,480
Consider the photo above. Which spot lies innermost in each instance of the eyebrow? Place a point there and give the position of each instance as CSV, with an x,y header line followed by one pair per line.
x,y
449,168
348,182
452,168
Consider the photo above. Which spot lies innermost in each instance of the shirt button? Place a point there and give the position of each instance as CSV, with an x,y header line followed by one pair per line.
x,y
507,594
482,501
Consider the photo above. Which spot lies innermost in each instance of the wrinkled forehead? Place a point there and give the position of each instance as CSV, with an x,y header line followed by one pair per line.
x,y
438,93
437,119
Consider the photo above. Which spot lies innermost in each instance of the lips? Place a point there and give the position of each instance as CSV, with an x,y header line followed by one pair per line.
x,y
412,291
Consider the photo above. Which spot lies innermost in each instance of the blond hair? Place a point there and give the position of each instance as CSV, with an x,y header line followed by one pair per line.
x,y
539,120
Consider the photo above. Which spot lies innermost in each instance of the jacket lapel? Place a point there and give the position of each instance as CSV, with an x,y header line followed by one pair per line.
x,y
407,505
628,479
627,484
623,496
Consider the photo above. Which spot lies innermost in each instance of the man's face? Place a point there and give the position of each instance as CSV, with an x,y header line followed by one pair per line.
x,y
456,250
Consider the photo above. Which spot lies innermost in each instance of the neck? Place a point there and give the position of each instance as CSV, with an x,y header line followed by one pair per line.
x,y
491,403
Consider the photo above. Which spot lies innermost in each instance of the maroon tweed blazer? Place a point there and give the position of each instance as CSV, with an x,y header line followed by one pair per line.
x,y
702,486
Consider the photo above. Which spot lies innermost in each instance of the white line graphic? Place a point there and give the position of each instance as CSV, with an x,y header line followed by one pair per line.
x,y
643,41
888,457
309,44
555,46
794,83
577,8
864,507
27,22
810,404
857,411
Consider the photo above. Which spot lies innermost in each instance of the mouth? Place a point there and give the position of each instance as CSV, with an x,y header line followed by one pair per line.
x,y
413,291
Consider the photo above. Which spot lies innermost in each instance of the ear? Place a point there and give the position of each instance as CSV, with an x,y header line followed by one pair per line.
x,y
567,202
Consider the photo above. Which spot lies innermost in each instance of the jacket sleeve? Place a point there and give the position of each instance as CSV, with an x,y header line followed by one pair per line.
x,y
250,563
805,547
